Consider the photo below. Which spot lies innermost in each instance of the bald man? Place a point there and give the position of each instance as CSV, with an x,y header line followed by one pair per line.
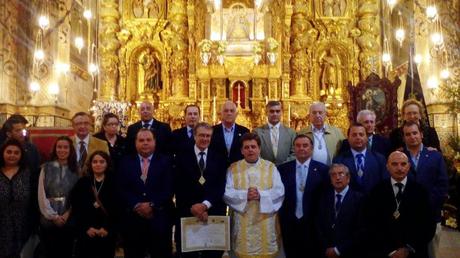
x,y
398,214
162,131
227,134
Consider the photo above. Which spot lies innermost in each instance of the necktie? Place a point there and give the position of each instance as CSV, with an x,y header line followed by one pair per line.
x,y
301,188
338,203
190,133
360,167
369,142
146,125
399,193
201,161
274,139
145,169
83,154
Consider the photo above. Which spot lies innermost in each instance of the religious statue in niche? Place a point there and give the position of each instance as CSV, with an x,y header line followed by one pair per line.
x,y
149,72
145,8
333,8
239,25
331,67
374,99
238,94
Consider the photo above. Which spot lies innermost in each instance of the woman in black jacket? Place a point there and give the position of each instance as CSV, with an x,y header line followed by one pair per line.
x,y
93,204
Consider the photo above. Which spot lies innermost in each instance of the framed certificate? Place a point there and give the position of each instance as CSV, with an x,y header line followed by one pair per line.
x,y
199,236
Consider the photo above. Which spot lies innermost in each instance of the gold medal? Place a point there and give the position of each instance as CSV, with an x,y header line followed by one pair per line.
x,y
96,205
396,214
202,180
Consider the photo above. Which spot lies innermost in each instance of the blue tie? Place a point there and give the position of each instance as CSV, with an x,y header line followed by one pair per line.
x,y
360,167
338,203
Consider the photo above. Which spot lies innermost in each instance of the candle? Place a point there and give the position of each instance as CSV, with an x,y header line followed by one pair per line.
x,y
289,114
214,109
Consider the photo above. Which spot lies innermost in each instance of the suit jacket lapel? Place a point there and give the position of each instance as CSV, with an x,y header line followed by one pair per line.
x,y
266,136
236,134
424,155
283,139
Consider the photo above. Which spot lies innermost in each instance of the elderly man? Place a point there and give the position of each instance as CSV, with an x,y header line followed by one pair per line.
x,y
375,142
339,216
428,169
183,137
412,110
275,137
398,215
146,189
199,183
161,130
304,179
226,135
367,168
84,143
254,192
326,138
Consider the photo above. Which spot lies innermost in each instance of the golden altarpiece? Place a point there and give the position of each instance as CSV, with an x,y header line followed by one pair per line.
x,y
179,52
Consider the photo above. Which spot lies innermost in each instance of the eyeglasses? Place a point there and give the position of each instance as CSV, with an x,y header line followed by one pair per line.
x,y
111,124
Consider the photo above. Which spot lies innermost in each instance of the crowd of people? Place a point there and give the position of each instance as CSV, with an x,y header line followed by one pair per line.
x,y
313,193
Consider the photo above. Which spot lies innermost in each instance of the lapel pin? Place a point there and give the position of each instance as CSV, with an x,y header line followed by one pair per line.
x,y
314,169
239,134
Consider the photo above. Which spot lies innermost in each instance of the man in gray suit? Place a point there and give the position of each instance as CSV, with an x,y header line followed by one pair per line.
x,y
276,138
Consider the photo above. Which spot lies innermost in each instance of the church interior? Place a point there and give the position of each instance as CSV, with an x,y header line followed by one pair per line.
x,y
74,55
58,57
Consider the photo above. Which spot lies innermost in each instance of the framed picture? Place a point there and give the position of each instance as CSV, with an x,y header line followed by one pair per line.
x,y
378,95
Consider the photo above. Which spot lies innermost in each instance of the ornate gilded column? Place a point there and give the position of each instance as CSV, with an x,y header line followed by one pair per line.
x,y
369,40
179,57
108,48
300,36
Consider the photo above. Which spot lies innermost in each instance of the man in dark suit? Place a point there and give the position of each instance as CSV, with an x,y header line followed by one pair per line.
x,y
398,215
339,216
429,170
182,138
412,110
226,135
276,139
375,142
303,180
199,184
161,130
146,190
367,168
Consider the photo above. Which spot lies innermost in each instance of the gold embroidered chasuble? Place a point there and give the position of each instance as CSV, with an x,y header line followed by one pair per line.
x,y
254,229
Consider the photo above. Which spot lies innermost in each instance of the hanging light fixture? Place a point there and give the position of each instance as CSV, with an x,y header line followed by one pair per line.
x,y
445,74
437,39
432,82
43,22
392,4
79,43
400,34
418,59
93,69
34,86
87,14
53,89
39,54
431,13
386,58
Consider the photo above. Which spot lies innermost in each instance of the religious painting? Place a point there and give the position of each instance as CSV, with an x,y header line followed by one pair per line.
x,y
373,98
149,72
378,95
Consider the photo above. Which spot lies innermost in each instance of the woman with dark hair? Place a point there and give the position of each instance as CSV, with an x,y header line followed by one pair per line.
x,y
109,133
16,199
93,205
57,178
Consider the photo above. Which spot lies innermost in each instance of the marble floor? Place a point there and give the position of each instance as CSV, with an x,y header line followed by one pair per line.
x,y
449,246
